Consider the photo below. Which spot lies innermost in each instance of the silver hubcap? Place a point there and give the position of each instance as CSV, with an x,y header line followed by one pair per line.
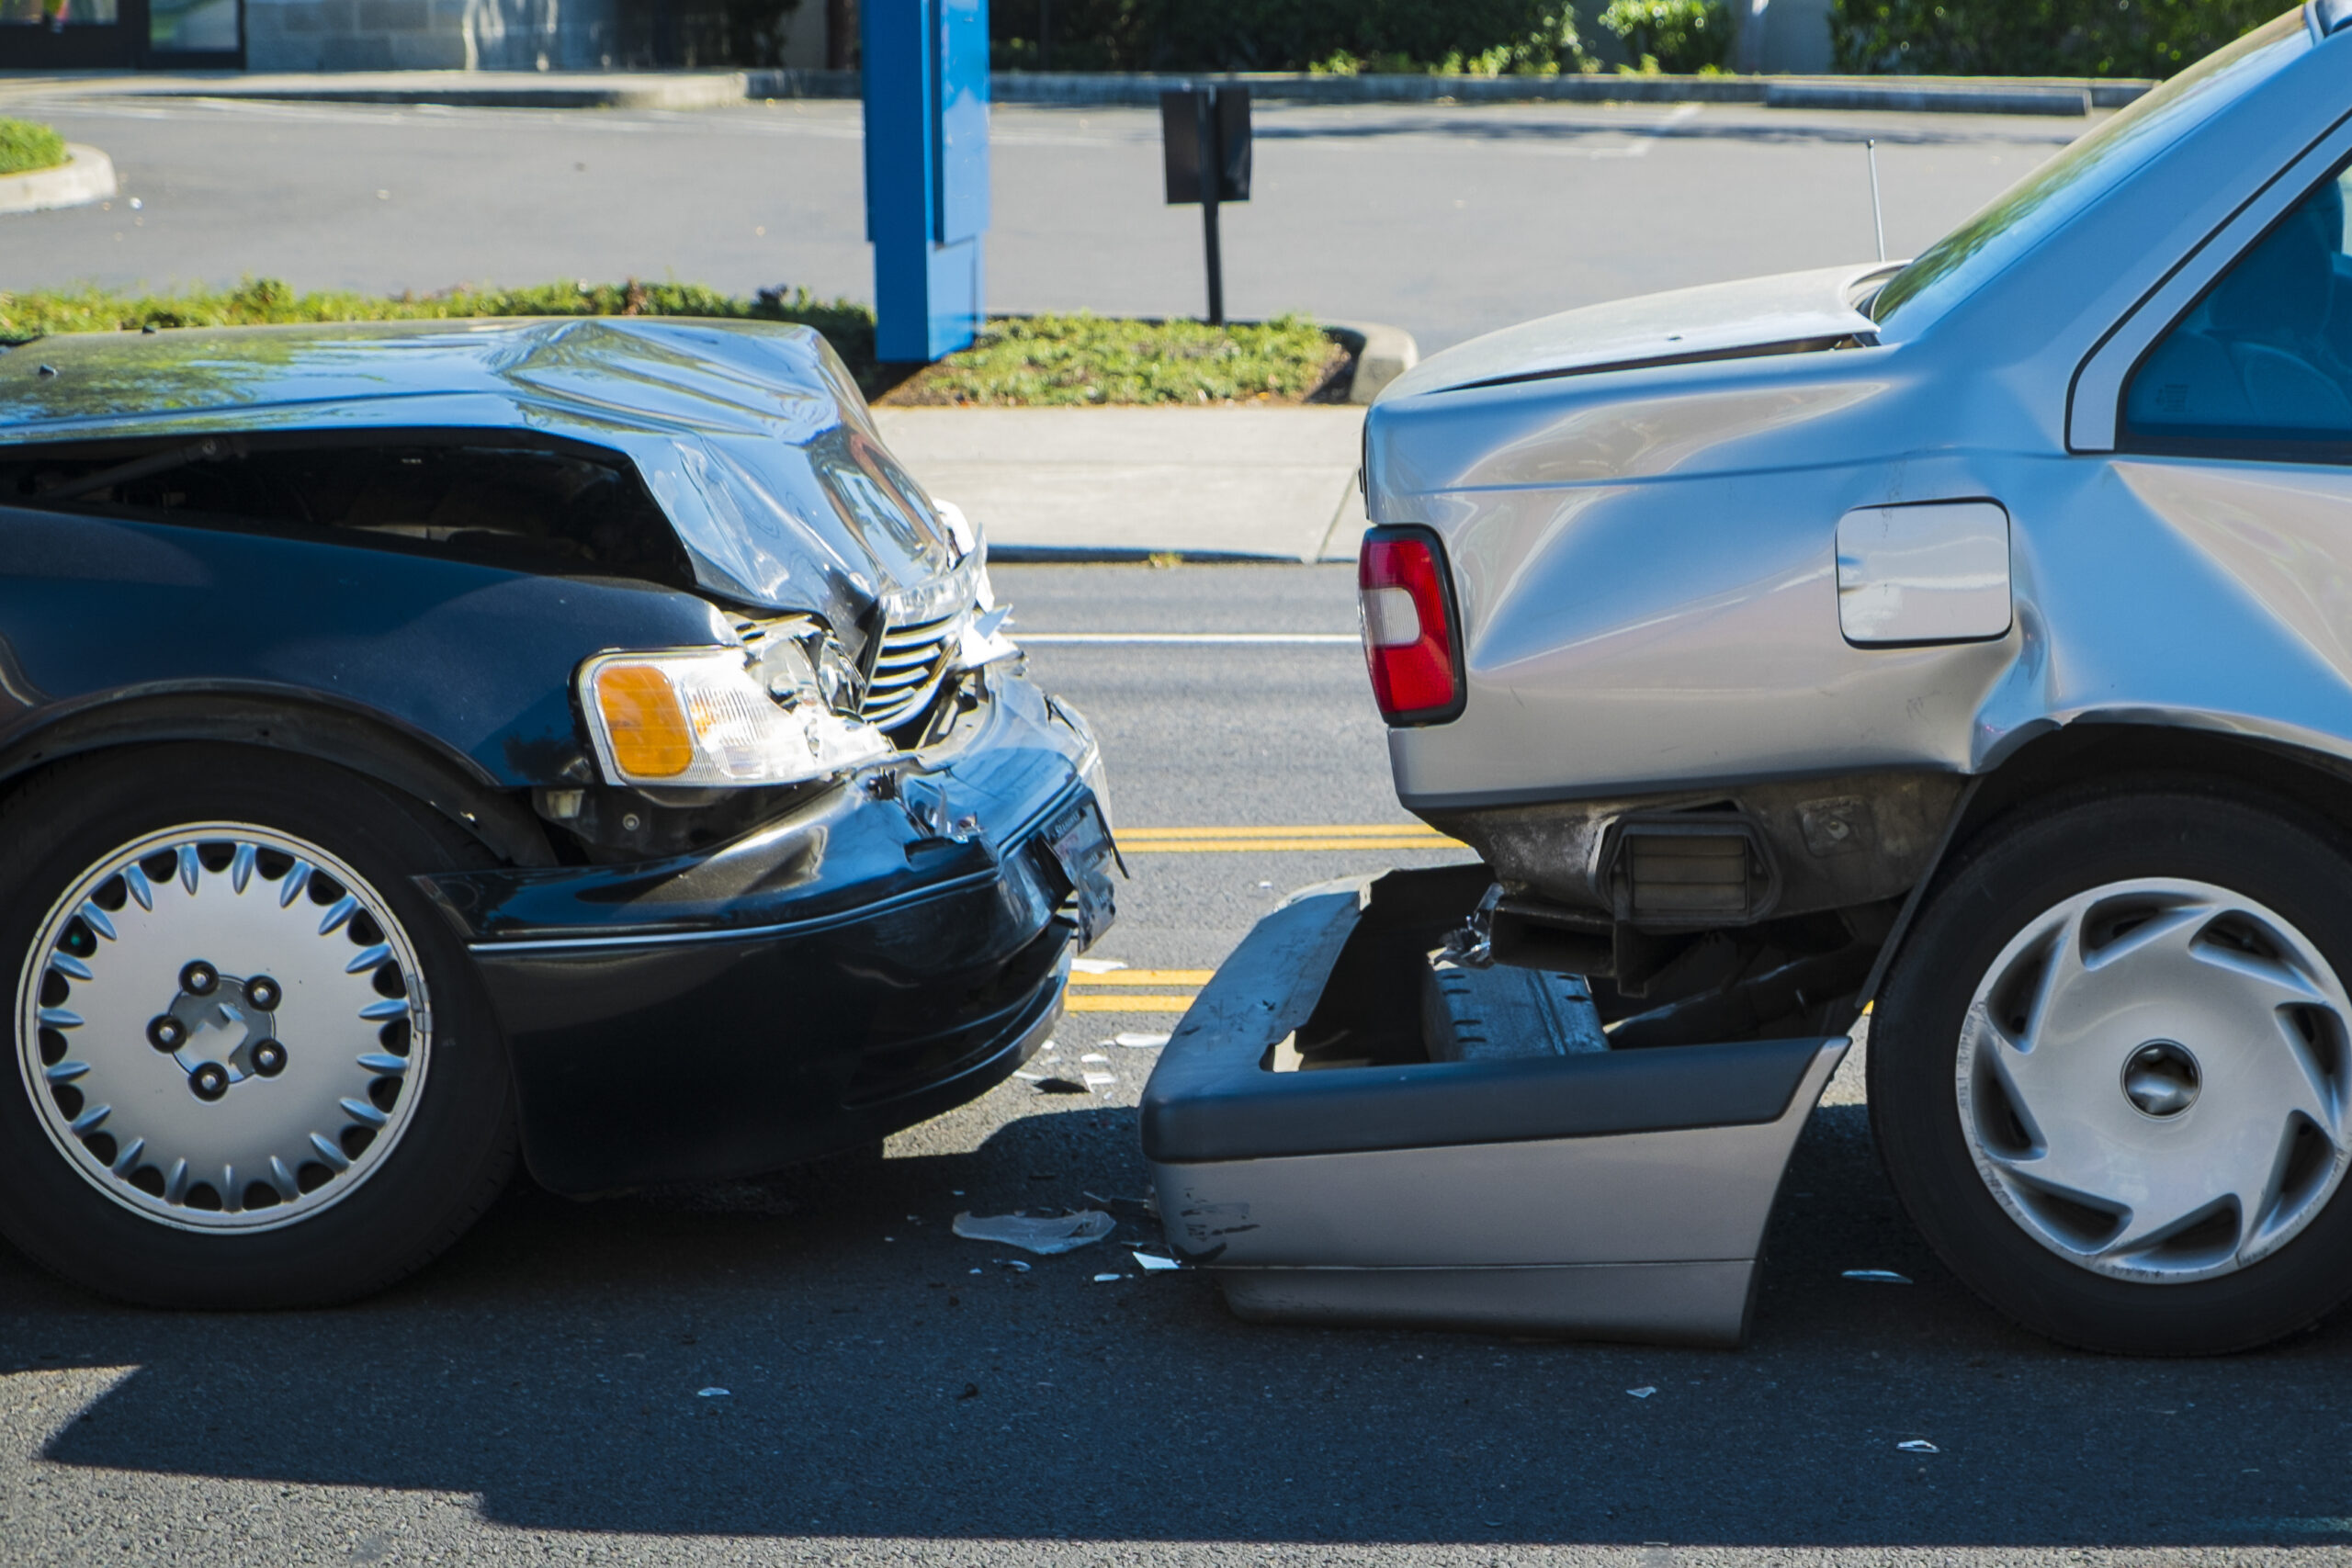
x,y
223,1027
2153,1081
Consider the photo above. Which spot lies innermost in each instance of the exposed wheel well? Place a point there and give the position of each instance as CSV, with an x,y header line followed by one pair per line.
x,y
2083,755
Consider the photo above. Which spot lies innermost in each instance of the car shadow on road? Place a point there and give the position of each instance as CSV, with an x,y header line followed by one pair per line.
x,y
887,1379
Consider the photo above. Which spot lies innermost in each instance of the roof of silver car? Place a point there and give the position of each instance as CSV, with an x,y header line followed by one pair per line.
x,y
635,374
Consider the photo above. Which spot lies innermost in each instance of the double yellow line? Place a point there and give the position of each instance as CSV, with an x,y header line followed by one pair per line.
x,y
1240,841
1171,990
1134,990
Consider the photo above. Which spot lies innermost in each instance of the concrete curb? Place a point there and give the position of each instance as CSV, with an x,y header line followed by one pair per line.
x,y
469,89
717,89
1947,94
1382,353
86,175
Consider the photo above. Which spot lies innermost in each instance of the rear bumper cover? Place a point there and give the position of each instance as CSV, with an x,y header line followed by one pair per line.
x,y
846,971
1609,1195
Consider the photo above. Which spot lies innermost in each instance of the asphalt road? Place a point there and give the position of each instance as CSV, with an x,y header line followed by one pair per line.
x,y
896,1395
1447,221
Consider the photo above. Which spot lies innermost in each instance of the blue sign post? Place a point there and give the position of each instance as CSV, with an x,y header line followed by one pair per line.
x,y
926,82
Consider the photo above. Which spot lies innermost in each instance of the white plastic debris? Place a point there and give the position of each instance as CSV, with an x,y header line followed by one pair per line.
x,y
1151,1265
1918,1445
1876,1276
1095,1056
1098,1080
1104,1279
1044,1234
1096,965
1644,1392
712,1392
1142,1042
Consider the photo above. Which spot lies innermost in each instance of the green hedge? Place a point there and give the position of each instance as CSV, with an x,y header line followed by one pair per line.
x,y
1484,37
1021,361
2036,38
1681,35
25,147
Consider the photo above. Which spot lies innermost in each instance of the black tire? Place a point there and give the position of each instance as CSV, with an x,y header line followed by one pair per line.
x,y
2267,851
455,1147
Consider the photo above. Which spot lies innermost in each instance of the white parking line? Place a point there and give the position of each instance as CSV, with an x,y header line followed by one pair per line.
x,y
1333,640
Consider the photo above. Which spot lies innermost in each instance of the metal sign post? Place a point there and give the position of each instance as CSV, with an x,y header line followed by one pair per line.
x,y
1205,136
926,87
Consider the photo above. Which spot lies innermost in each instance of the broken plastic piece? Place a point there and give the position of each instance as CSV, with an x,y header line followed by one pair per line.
x,y
1141,1042
1151,1265
712,1392
1918,1445
1098,1080
1644,1392
1876,1276
1043,1234
1104,1279
1095,1056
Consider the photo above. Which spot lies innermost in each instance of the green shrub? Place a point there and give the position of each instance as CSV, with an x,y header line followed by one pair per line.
x,y
1086,358
1681,35
1485,36
2036,38
1021,360
25,147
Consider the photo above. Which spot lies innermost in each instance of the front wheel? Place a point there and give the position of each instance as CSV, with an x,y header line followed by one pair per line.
x,y
253,1067
2111,1074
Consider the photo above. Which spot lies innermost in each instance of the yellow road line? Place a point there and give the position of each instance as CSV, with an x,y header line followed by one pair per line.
x,y
1091,1002
1245,846
1146,977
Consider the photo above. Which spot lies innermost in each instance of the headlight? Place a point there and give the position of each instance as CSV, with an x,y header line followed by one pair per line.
x,y
701,718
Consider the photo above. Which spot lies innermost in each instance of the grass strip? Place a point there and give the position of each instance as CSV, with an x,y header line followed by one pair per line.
x,y
1025,361
25,147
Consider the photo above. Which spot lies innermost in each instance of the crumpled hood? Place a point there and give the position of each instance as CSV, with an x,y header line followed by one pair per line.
x,y
751,434
1717,321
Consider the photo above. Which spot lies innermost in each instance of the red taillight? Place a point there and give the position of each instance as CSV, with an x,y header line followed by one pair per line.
x,y
1408,641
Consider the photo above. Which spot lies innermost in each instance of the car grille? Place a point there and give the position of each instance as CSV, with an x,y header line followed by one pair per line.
x,y
907,670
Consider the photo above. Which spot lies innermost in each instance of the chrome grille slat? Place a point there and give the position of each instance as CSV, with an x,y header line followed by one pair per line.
x,y
908,668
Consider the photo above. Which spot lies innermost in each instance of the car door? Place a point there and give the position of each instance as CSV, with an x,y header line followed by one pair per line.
x,y
2219,416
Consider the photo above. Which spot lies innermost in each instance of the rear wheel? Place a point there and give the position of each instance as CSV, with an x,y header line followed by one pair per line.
x,y
2111,1076
254,1065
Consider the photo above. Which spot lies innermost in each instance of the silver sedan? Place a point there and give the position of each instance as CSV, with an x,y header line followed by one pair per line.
x,y
1970,637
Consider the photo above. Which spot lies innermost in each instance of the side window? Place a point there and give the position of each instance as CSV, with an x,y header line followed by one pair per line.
x,y
2264,358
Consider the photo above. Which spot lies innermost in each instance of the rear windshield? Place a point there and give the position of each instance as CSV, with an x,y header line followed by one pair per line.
x,y
2045,200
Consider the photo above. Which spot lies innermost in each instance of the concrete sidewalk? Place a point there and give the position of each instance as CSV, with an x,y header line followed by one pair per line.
x,y
1125,483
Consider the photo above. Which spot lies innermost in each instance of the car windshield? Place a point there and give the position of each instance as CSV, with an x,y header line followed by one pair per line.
x,y
1960,262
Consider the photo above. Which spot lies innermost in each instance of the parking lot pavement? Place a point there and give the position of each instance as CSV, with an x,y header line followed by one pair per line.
x,y
1447,221
811,1368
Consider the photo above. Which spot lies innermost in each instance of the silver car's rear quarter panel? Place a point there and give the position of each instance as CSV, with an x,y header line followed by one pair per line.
x,y
1645,564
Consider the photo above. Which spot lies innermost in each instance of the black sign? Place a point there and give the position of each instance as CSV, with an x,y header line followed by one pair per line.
x,y
1206,126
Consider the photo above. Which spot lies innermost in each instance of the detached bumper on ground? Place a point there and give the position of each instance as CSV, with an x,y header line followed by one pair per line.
x,y
888,950
1307,1150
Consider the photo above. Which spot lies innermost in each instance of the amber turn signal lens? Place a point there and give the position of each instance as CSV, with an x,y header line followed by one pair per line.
x,y
645,721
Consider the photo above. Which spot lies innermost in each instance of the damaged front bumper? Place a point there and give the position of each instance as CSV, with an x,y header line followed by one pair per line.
x,y
1308,1152
887,950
